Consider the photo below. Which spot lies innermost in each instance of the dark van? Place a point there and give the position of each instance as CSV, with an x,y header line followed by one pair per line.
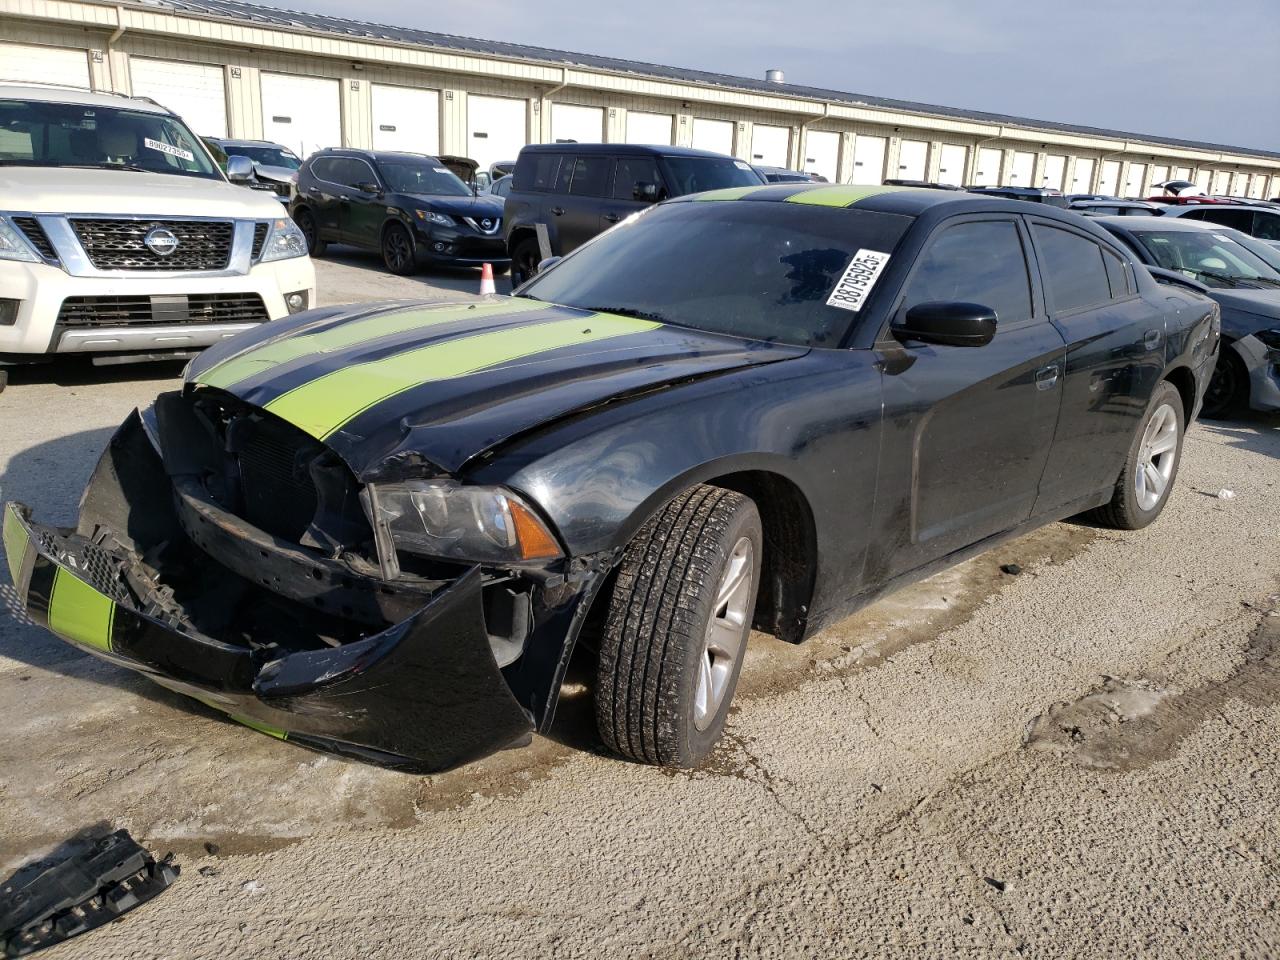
x,y
563,194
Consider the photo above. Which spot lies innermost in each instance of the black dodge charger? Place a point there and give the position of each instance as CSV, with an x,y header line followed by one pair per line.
x,y
381,530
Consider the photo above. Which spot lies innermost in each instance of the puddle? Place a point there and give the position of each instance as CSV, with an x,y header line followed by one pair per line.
x,y
1131,724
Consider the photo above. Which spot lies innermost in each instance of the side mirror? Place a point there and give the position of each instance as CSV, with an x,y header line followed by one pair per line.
x,y
548,263
948,324
239,169
645,192
368,186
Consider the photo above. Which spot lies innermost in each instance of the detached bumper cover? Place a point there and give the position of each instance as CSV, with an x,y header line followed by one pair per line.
x,y
425,694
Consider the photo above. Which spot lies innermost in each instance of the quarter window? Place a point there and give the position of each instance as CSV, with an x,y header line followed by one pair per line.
x,y
1117,275
979,262
1072,269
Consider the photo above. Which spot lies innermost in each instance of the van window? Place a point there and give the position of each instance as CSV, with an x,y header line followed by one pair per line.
x,y
536,172
590,176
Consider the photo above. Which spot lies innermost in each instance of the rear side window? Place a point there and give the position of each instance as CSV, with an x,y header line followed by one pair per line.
x,y
1266,226
630,173
1238,219
979,262
536,172
1072,268
589,176
323,167
1118,275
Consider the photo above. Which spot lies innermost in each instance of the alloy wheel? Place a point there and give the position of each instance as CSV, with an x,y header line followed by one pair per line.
x,y
726,630
1156,456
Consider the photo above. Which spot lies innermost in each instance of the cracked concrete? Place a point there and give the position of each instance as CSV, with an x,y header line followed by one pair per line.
x,y
875,794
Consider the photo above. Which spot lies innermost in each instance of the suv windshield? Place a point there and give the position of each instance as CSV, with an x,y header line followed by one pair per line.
x,y
422,176
36,133
751,269
269,156
1209,256
697,174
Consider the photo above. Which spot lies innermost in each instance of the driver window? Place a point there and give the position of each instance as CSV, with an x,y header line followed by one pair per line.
x,y
977,262
630,173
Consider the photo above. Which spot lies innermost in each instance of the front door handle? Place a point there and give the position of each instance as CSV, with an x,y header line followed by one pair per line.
x,y
1151,339
611,218
1047,377
557,210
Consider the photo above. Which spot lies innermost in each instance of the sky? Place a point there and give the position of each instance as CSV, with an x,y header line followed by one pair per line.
x,y
1189,69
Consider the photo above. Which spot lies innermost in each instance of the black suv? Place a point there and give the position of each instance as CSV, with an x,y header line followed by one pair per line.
x,y
408,206
577,190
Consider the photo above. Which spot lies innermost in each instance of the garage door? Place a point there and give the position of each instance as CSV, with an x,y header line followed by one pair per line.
x,y
574,124
1109,180
496,129
1181,173
770,146
194,91
1203,179
649,127
1239,184
405,118
1134,180
987,173
1082,177
913,159
822,154
714,135
24,62
1159,174
1258,189
1055,169
1022,170
302,113
868,159
951,161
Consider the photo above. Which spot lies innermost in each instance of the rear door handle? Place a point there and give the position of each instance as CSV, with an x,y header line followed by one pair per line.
x,y
611,218
557,210
1151,339
1047,377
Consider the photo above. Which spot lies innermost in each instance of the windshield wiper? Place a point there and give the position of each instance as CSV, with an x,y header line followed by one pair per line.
x,y
1223,278
629,312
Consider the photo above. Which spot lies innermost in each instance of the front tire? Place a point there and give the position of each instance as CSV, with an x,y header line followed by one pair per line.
x,y
677,626
525,258
1151,465
397,251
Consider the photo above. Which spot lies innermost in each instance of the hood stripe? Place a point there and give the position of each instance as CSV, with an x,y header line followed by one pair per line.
x,y
841,195
15,542
321,406
343,336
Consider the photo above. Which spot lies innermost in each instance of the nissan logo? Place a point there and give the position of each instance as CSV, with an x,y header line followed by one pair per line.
x,y
486,223
160,241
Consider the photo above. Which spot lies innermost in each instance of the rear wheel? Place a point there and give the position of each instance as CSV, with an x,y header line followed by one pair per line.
x,y
525,259
677,626
1228,390
1151,466
307,224
397,250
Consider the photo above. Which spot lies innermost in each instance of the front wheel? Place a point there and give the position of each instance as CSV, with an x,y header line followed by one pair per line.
x,y
397,251
1151,466
677,626
525,258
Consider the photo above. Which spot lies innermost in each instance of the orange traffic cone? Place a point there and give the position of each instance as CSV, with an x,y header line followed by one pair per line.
x,y
486,280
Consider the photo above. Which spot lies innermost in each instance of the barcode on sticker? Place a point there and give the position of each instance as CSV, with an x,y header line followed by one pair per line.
x,y
858,279
166,148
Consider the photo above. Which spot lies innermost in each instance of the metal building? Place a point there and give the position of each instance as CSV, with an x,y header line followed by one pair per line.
x,y
242,70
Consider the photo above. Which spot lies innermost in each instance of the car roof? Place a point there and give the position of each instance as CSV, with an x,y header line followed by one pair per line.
x,y
1162,223
372,154
622,149
1182,209
55,93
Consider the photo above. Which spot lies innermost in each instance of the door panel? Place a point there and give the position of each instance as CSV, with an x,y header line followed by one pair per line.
x,y
967,429
868,159
302,113
194,91
405,118
362,213
580,198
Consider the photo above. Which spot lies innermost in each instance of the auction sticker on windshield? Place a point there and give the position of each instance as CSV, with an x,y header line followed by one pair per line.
x,y
858,280
166,148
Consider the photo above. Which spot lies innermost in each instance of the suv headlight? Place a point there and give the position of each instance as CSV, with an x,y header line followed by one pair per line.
x,y
284,241
430,216
445,519
14,246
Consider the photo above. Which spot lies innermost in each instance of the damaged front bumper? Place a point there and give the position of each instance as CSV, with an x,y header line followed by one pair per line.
x,y
424,694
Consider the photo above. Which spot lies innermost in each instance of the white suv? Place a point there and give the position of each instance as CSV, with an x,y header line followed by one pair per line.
x,y
120,237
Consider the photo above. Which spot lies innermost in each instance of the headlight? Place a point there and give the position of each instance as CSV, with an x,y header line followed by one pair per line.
x,y
284,241
443,518
430,216
13,245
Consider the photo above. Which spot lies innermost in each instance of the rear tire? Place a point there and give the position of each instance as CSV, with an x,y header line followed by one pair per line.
x,y
525,258
307,224
677,626
1228,391
1151,465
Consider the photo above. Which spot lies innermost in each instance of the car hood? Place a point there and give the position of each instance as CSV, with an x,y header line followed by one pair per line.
x,y
66,190
482,205
413,389
279,174
1247,311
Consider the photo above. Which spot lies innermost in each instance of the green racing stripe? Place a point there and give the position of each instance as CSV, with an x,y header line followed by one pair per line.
x,y
80,613
321,406
732,193
840,195
15,542
346,335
